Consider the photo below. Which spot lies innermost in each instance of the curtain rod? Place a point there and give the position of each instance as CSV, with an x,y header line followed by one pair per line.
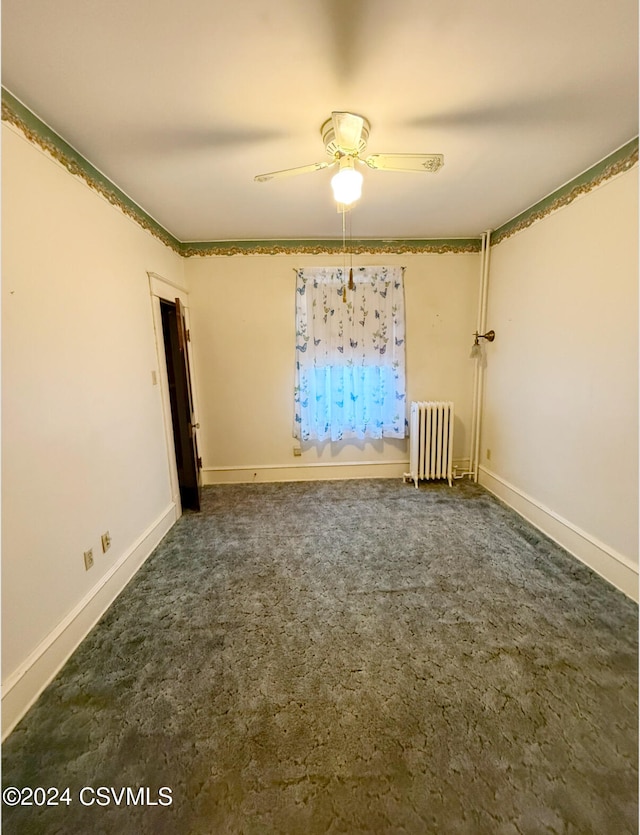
x,y
295,269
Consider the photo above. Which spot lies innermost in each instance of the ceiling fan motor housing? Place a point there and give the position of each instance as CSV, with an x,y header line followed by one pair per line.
x,y
331,145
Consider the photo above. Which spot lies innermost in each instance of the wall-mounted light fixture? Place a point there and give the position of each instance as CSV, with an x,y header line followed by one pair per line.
x,y
475,348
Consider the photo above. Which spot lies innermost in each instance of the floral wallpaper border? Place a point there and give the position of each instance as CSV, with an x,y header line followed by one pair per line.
x,y
37,132
334,246
621,160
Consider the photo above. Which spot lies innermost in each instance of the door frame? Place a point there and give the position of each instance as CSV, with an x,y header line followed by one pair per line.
x,y
162,288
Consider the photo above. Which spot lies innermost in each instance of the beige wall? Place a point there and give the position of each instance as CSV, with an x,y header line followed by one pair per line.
x,y
83,438
561,399
243,310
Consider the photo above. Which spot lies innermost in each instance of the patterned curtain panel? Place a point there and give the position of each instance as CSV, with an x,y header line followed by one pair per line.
x,y
350,354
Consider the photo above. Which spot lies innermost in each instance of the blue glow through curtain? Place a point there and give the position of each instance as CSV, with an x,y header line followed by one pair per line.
x,y
350,355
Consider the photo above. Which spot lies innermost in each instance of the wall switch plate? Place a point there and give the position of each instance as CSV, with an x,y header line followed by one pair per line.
x,y
154,378
488,455
106,542
88,559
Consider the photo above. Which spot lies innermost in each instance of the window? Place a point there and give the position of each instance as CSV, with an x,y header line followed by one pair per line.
x,y
350,377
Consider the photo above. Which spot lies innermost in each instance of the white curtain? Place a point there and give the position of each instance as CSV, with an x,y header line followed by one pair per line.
x,y
350,354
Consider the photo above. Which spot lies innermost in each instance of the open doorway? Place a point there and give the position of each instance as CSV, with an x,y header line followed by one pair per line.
x,y
174,376
188,464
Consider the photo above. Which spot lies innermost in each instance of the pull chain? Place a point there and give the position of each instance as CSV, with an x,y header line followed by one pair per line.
x,y
351,284
344,259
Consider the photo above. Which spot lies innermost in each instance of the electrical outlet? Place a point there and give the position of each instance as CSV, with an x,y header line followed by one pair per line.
x,y
88,559
106,542
488,455
297,451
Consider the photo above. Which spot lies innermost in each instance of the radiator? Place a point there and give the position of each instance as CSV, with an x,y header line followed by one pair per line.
x,y
431,441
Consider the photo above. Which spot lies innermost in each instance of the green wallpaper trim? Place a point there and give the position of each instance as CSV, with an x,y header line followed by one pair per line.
x,y
621,160
15,113
357,246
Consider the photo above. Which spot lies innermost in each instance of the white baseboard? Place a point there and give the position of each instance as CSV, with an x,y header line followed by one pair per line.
x,y
614,567
22,687
318,471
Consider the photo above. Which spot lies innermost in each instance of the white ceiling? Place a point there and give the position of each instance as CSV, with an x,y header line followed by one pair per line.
x,y
182,103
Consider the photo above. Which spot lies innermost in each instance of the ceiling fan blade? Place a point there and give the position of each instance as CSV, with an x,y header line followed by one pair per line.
x,y
405,162
292,172
348,130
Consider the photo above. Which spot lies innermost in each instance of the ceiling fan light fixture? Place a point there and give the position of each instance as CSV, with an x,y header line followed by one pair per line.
x,y
347,183
345,137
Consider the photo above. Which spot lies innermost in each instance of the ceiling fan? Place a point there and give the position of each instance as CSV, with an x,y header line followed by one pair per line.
x,y
345,138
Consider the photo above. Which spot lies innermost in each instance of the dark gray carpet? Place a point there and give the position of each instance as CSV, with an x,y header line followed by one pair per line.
x,y
346,657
